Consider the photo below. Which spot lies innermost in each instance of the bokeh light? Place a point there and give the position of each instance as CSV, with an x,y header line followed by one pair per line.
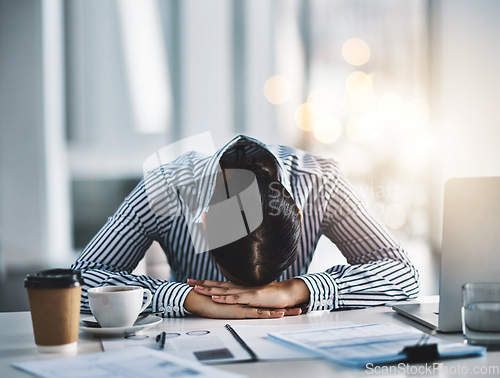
x,y
323,99
305,115
356,51
359,85
278,89
363,128
327,129
390,106
418,151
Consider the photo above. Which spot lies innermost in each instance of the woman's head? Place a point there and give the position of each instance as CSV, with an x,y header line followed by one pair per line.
x,y
262,255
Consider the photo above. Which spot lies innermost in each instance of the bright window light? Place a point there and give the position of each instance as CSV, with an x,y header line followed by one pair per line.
x,y
146,64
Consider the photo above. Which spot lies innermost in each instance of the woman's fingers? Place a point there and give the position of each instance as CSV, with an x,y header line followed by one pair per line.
x,y
219,290
293,311
209,283
207,287
215,284
232,299
266,313
204,306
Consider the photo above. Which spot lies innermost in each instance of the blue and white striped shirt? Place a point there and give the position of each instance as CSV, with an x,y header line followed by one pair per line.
x,y
377,270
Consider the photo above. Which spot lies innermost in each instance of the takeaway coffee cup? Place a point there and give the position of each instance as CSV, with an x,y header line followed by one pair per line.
x,y
118,306
54,299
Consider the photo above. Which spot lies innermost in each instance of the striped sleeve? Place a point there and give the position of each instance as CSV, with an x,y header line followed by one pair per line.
x,y
118,247
378,269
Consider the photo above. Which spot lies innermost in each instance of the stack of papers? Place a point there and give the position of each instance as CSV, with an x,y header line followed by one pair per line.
x,y
357,346
186,352
215,345
130,363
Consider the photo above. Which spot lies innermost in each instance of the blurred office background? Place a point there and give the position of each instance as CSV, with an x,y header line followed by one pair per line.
x,y
402,93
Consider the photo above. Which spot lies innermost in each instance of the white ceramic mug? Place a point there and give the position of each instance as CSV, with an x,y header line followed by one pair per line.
x,y
118,306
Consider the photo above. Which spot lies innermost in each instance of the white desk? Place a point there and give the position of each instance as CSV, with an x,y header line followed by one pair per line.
x,y
17,344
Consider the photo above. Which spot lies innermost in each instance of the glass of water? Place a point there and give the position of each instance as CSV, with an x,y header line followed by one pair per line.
x,y
481,313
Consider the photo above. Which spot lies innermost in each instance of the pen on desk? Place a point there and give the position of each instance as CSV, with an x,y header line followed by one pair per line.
x,y
161,339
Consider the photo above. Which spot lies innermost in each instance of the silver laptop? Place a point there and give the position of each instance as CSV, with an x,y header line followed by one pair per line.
x,y
470,250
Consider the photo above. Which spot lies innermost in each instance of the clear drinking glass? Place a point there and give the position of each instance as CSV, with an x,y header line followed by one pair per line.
x,y
481,313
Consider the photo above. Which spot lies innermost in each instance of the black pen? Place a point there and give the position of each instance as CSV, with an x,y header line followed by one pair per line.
x,y
161,338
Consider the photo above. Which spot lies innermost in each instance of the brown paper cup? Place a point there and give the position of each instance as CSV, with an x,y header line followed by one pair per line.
x,y
55,310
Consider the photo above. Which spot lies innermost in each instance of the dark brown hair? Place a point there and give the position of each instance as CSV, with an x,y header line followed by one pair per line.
x,y
261,256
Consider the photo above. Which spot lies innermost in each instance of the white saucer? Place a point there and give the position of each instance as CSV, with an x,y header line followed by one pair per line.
x,y
122,331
